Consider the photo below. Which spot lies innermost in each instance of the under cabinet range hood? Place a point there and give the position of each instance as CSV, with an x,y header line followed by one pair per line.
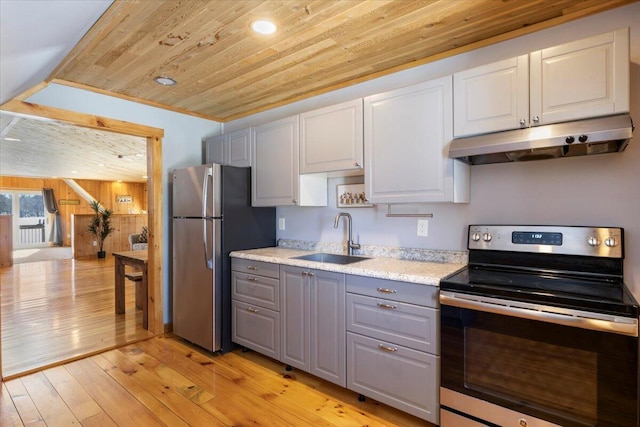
x,y
578,138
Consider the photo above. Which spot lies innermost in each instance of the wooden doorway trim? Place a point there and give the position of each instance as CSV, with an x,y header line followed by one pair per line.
x,y
154,187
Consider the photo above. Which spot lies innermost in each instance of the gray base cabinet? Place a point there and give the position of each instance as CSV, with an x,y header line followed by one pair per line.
x,y
393,345
255,306
313,322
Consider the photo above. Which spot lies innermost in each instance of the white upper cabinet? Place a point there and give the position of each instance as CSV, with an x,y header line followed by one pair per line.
x,y
214,149
331,138
274,176
585,78
406,135
577,80
238,148
492,97
233,148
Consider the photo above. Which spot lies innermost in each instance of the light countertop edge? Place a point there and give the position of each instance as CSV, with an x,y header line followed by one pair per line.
x,y
420,272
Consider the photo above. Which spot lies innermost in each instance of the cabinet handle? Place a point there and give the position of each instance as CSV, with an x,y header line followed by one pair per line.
x,y
387,306
251,267
252,279
387,291
356,164
523,122
311,274
535,119
385,348
252,310
304,273
295,202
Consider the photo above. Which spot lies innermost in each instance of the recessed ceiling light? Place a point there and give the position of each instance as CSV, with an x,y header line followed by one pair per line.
x,y
264,27
164,81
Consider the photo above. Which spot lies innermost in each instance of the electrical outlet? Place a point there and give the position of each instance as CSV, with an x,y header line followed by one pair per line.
x,y
423,227
95,243
281,225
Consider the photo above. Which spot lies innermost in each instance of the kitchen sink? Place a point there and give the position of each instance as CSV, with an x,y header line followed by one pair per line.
x,y
331,258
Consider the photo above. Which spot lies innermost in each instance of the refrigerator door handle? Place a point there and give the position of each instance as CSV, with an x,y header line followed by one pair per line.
x,y
208,174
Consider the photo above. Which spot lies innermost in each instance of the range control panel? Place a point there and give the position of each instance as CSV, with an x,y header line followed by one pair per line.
x,y
567,240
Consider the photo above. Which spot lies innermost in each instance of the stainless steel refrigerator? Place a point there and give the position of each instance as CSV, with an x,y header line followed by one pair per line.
x,y
212,216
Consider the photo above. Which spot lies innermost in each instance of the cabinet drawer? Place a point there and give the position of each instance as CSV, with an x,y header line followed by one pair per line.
x,y
257,290
256,328
409,325
400,377
256,267
393,290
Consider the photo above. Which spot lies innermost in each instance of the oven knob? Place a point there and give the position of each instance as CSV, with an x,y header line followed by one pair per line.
x,y
475,237
486,237
610,242
593,241
523,422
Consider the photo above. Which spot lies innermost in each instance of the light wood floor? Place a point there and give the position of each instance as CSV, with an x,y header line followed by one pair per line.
x,y
165,381
58,310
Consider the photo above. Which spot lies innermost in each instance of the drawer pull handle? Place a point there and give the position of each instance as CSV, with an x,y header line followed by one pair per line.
x,y
251,267
387,291
387,306
308,273
388,349
252,279
252,310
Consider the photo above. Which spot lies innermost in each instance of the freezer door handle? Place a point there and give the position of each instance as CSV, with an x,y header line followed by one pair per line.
x,y
208,175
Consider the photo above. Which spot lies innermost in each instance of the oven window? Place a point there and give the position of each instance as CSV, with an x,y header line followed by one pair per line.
x,y
565,375
550,377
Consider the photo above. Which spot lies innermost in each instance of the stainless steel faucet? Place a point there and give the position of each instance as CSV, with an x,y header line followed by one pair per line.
x,y
350,245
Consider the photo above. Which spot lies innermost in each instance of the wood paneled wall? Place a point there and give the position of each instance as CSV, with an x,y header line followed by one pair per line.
x,y
123,225
104,191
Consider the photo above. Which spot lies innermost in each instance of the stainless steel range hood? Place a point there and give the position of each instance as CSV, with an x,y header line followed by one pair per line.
x,y
578,138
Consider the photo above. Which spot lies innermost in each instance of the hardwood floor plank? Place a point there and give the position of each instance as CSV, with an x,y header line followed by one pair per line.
x,y
140,392
76,398
116,401
167,381
275,385
60,310
165,392
27,409
8,413
51,406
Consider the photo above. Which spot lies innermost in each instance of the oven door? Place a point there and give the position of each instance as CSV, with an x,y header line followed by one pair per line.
x,y
565,375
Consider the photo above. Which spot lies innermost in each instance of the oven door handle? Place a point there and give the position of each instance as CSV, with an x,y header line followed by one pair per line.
x,y
560,316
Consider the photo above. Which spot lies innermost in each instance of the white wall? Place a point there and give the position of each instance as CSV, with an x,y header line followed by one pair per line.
x,y
602,190
181,145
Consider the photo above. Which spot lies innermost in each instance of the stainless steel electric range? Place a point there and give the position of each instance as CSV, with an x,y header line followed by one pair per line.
x,y
539,330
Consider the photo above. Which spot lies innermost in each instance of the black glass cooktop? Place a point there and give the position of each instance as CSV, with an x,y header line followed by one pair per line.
x,y
603,294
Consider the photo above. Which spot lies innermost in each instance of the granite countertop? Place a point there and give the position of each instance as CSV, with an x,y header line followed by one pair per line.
x,y
421,272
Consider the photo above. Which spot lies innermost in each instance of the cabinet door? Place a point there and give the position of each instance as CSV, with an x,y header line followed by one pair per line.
x,y
275,170
582,79
214,149
256,328
398,376
294,298
331,138
327,326
492,97
407,132
238,148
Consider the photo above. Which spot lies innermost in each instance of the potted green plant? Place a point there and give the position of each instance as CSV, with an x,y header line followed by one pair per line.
x,y
100,225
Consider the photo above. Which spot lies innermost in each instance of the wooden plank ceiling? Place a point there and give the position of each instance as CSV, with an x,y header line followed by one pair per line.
x,y
41,148
225,71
